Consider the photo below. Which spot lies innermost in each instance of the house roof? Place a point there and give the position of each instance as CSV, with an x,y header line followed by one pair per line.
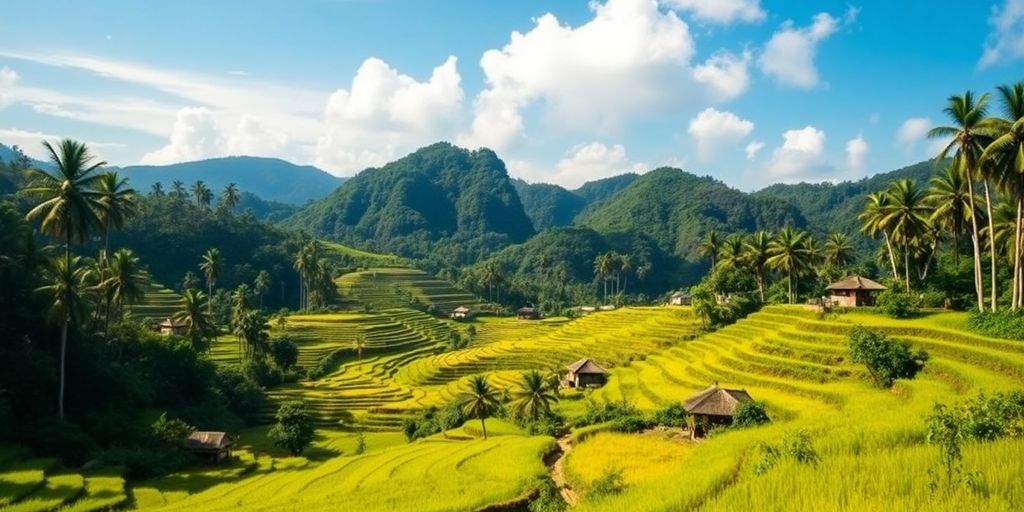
x,y
855,283
716,401
526,309
170,322
200,440
680,294
461,309
585,365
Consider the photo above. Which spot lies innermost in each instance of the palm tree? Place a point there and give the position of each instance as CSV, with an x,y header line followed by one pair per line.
x,y
947,195
534,396
190,281
359,345
116,203
157,189
710,245
479,400
968,116
210,266
838,251
732,254
789,254
66,291
261,285
872,222
624,266
178,190
251,329
68,199
202,194
124,284
229,197
603,268
194,313
906,214
758,249
1006,152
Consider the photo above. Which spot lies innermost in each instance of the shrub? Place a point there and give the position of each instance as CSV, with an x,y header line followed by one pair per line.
x,y
262,371
750,414
609,483
600,412
284,351
1001,324
327,363
432,420
630,424
549,499
244,397
897,304
797,445
672,415
360,443
885,359
294,428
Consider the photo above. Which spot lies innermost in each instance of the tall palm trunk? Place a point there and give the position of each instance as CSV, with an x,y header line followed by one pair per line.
x,y
906,264
106,235
892,255
209,298
483,425
760,284
63,358
789,284
974,241
1016,250
991,247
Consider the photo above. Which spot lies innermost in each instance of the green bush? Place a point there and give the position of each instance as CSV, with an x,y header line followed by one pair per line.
x,y
432,420
1001,324
750,414
600,412
609,483
897,304
630,424
672,415
243,397
284,351
885,359
294,428
327,363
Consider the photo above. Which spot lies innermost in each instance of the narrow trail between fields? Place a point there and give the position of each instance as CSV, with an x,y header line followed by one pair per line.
x,y
557,469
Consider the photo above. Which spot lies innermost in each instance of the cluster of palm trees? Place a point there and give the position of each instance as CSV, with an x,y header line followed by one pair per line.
x,y
200,193
986,150
791,252
614,268
532,399
316,282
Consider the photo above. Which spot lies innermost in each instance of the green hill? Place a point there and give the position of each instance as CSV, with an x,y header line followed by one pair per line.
x,y
551,206
440,195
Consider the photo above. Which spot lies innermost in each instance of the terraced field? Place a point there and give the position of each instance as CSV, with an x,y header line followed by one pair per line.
x,y
40,485
157,304
383,288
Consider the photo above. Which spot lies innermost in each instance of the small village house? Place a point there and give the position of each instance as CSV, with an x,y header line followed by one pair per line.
x,y
461,313
209,446
585,374
679,299
714,406
528,313
173,327
853,291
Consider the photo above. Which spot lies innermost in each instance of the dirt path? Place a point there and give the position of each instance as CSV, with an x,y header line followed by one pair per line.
x,y
557,470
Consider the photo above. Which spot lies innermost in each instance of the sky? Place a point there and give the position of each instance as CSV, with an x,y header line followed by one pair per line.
x,y
752,92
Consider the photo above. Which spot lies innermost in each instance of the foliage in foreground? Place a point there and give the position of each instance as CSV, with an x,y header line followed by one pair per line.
x,y
886,359
1001,324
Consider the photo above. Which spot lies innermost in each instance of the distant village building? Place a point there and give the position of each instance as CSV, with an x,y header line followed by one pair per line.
x,y
714,406
461,313
528,313
588,309
209,446
679,299
173,327
585,374
853,291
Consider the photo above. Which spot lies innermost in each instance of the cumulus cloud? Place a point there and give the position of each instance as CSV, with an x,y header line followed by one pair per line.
x,y
856,153
1006,41
715,130
802,153
725,74
631,58
583,163
912,131
789,55
753,149
31,143
200,133
384,114
721,11
8,78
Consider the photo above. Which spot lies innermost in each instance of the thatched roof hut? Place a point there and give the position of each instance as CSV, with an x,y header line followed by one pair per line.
x,y
212,446
528,313
853,291
461,313
171,326
585,373
716,404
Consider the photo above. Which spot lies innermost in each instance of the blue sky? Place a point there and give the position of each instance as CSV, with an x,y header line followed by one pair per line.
x,y
750,91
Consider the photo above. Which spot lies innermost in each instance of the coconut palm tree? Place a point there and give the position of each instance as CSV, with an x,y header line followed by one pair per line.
x,y
178,190
967,143
229,197
838,250
124,282
947,196
1006,152
359,345
789,254
604,266
66,291
68,198
210,266
710,245
116,203
202,194
873,222
758,249
190,281
907,215
261,285
157,189
732,253
194,313
534,396
251,329
479,400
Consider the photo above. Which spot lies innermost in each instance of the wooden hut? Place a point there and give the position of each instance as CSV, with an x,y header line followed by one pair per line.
x,y
528,313
171,326
209,446
585,374
679,299
461,313
853,291
714,406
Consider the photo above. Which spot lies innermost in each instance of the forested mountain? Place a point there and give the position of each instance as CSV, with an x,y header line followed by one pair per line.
x,y
441,201
269,178
552,206
594,192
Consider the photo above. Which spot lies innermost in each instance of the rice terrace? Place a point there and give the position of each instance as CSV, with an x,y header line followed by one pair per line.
x,y
608,255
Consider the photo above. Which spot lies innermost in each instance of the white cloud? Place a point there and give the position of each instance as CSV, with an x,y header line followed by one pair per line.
x,y
714,130
630,59
195,135
856,153
8,77
725,73
789,55
912,131
753,149
385,114
1006,41
31,143
802,153
721,11
583,163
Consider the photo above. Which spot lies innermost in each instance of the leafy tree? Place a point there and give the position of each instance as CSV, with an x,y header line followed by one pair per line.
x,y
65,290
285,352
115,203
534,397
479,400
294,428
885,359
